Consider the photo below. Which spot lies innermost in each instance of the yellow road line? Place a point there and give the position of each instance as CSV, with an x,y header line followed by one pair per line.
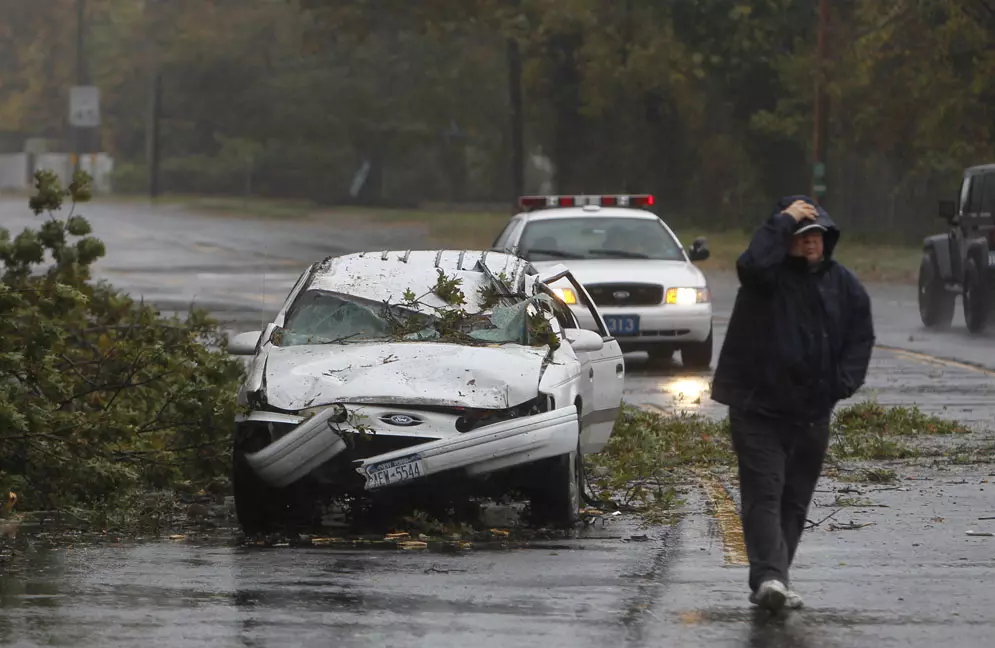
x,y
727,517
929,359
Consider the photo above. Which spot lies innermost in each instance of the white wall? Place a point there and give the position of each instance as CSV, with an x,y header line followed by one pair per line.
x,y
13,171
15,174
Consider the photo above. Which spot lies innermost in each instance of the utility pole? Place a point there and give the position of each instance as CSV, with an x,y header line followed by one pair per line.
x,y
152,148
78,132
820,133
517,121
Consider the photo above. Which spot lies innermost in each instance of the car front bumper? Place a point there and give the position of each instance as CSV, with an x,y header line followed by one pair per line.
x,y
659,324
487,449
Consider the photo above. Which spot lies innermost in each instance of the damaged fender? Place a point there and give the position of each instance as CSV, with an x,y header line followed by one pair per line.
x,y
494,447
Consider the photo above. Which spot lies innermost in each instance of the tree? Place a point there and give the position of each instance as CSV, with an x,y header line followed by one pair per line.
x,y
100,396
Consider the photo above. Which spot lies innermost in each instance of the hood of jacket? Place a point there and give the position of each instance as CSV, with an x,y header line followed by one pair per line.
x,y
832,234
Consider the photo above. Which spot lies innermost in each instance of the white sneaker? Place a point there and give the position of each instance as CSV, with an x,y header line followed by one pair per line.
x,y
793,600
771,595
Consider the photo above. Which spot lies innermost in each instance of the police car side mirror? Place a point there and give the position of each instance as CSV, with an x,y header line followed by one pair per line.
x,y
699,250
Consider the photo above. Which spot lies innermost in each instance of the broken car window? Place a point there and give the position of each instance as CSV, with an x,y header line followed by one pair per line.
x,y
321,317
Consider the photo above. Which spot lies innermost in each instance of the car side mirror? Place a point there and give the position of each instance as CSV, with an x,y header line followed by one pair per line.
x,y
699,250
948,209
244,344
583,340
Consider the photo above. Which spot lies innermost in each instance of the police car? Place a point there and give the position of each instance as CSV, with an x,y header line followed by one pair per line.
x,y
644,287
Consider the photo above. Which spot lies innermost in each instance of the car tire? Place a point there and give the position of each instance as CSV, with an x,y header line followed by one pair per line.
x,y
975,299
259,507
555,500
660,355
698,355
936,303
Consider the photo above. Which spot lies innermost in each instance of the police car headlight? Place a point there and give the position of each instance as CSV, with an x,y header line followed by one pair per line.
x,y
686,296
566,295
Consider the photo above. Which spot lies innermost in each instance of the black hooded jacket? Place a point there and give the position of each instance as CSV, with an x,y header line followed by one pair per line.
x,y
800,337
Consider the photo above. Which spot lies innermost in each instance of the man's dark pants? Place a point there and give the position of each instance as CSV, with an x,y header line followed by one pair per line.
x,y
779,464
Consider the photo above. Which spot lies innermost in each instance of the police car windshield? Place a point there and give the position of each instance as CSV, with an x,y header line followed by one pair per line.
x,y
598,238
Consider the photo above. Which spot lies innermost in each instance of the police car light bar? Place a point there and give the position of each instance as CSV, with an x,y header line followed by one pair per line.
x,y
530,203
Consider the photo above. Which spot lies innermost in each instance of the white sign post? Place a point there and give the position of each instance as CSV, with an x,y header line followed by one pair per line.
x,y
84,106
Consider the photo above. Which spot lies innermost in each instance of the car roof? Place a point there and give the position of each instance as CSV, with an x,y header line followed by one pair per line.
x,y
590,211
385,276
980,168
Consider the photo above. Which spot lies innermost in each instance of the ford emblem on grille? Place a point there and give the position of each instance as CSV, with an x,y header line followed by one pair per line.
x,y
621,294
403,420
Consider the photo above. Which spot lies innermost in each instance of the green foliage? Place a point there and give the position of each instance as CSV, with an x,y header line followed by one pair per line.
x,y
871,431
448,290
100,396
708,103
649,451
453,323
645,449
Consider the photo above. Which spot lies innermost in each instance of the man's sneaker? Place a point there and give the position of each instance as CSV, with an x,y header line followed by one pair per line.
x,y
793,600
771,595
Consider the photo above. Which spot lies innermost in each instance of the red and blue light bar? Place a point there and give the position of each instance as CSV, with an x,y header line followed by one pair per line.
x,y
529,203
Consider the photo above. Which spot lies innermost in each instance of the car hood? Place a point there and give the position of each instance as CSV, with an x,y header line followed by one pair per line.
x,y
594,271
411,373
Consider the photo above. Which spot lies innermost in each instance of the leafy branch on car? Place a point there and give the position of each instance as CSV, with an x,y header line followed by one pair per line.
x,y
451,321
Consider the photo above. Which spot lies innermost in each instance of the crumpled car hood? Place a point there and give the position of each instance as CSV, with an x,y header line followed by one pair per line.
x,y
490,377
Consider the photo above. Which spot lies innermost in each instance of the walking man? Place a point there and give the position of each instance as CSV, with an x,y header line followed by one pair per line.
x,y
799,340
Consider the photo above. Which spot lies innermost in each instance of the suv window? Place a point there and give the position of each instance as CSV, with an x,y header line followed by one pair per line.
x,y
973,204
988,193
965,194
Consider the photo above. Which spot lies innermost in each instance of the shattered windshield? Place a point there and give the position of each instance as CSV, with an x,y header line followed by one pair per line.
x,y
321,317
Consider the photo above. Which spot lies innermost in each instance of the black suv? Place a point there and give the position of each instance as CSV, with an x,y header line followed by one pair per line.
x,y
962,261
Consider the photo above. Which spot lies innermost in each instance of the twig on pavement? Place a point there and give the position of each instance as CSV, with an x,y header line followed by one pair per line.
x,y
812,525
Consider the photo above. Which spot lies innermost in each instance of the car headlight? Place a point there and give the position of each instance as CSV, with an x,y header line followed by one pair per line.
x,y
686,296
566,295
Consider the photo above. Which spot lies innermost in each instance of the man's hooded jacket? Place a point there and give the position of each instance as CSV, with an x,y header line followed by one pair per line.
x,y
800,336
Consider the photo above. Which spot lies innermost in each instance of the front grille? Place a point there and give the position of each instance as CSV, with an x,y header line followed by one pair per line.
x,y
614,294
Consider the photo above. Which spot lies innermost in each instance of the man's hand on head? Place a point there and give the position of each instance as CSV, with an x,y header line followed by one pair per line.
x,y
801,210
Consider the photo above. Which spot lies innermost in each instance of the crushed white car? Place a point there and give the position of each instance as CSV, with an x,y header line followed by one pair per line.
x,y
399,368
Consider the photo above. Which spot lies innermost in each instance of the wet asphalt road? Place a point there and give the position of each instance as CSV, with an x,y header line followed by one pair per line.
x,y
912,578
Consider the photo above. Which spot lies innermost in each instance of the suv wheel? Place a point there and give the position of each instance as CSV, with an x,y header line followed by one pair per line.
x,y
975,300
936,303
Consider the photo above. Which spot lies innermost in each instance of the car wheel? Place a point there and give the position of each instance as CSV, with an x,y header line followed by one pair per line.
x,y
697,355
660,356
975,300
936,303
555,501
259,507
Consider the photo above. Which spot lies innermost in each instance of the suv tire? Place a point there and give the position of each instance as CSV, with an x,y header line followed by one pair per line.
x,y
936,303
975,299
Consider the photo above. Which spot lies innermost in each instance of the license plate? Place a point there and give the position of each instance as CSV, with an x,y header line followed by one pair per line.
x,y
622,324
991,258
395,471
